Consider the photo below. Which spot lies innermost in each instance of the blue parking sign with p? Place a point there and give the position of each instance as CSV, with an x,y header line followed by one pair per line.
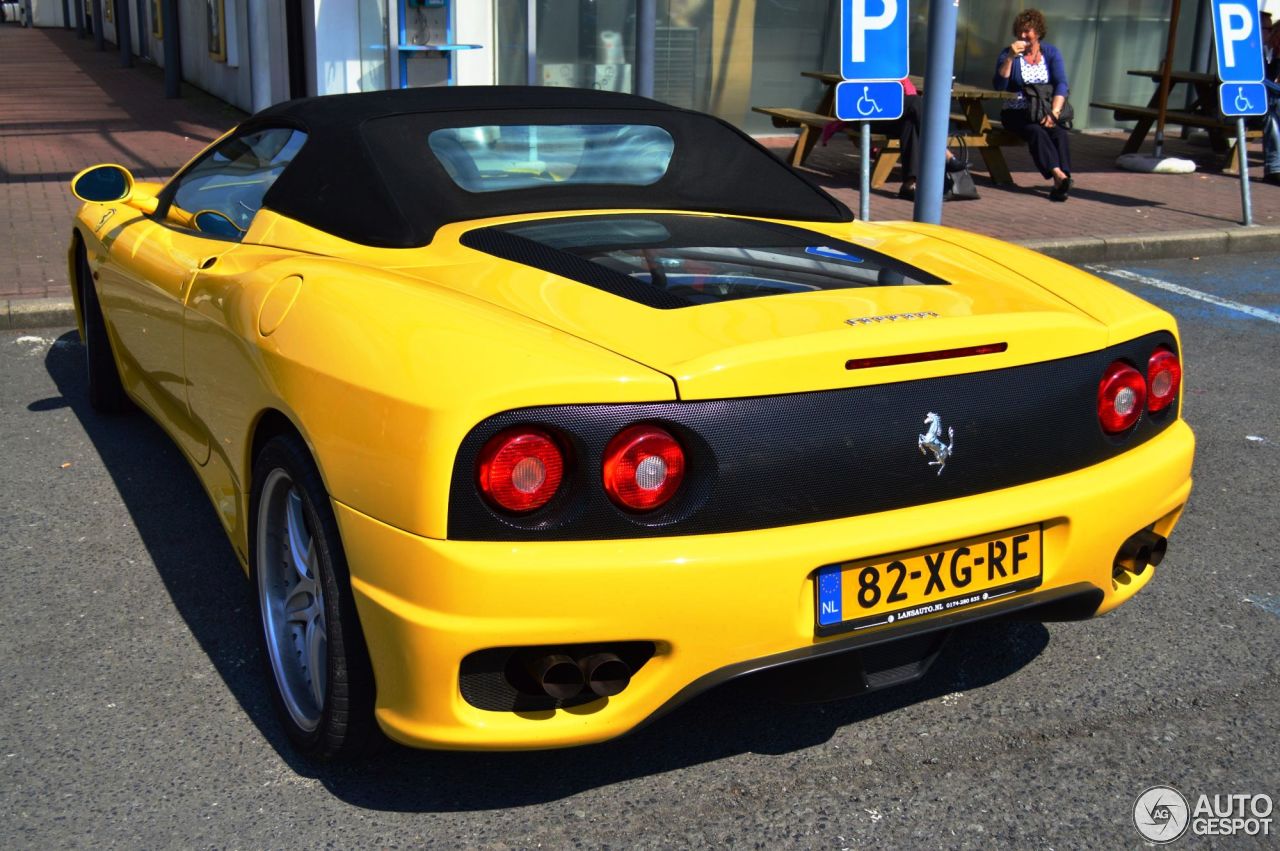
x,y
1238,31
873,39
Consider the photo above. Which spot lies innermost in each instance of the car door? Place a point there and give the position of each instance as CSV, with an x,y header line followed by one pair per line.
x,y
155,261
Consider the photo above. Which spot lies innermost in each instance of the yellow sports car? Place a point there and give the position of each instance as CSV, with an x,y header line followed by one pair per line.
x,y
531,413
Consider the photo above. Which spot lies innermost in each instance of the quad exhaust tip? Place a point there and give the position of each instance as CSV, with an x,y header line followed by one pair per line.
x,y
1143,548
561,677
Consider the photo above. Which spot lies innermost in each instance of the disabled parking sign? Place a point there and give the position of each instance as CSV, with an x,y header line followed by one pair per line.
x,y
869,100
1239,99
873,39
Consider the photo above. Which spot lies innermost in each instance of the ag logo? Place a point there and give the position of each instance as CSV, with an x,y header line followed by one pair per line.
x,y
1161,814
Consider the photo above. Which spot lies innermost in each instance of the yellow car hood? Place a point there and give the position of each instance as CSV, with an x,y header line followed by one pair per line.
x,y
804,341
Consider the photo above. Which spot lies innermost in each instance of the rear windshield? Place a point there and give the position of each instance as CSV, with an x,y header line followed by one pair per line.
x,y
502,157
671,260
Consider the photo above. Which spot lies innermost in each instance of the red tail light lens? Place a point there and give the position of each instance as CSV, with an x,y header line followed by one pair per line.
x,y
1122,393
643,467
520,469
1164,377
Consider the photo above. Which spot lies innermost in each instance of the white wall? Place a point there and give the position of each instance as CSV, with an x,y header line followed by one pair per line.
x,y
336,63
228,80
48,13
268,54
473,24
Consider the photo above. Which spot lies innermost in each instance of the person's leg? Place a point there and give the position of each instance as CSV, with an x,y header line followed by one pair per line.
x,y
1271,139
1060,139
908,128
1043,153
909,136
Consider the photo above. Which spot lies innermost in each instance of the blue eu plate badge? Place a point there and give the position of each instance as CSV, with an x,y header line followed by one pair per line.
x,y
830,595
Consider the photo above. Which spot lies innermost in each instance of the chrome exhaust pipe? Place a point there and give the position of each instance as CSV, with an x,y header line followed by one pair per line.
x,y
605,674
1141,549
1157,546
557,675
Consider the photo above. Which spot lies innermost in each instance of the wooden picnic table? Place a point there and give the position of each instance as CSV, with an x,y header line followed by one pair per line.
x,y
979,131
1202,112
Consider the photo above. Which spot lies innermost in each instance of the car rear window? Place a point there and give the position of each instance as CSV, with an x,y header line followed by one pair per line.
x,y
673,260
503,157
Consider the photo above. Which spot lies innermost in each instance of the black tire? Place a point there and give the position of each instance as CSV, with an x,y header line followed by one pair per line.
x,y
106,392
340,724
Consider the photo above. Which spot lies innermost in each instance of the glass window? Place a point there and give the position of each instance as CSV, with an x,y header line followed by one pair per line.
x,y
233,179
704,259
579,43
520,156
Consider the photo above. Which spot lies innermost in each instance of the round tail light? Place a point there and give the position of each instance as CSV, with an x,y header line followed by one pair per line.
x,y
643,467
1164,377
1122,394
520,469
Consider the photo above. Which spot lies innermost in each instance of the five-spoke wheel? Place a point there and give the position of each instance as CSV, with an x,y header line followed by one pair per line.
x,y
320,674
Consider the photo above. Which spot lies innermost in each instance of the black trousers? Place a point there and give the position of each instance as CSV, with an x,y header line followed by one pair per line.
x,y
1050,146
907,129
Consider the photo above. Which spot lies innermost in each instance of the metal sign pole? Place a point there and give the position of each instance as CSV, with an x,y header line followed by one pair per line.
x,y
864,195
937,109
1246,202
874,59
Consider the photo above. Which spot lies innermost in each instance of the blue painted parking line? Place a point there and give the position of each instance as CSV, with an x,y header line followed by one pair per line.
x,y
1169,286
1266,602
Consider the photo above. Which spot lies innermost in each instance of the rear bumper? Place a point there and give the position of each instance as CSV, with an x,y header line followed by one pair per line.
x,y
716,606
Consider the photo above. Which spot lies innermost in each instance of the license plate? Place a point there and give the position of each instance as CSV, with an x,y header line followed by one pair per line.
x,y
902,586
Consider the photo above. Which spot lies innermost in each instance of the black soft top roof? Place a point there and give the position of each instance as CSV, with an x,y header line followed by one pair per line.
x,y
366,173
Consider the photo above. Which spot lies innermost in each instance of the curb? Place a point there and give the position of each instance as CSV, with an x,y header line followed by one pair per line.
x,y
1158,246
20,313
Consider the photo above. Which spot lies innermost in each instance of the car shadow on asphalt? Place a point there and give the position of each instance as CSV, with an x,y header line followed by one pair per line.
x,y
194,560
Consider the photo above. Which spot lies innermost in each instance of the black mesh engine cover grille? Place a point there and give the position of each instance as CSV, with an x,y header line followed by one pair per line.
x,y
780,460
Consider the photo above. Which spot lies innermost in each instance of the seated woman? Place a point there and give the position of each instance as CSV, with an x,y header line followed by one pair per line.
x,y
1030,61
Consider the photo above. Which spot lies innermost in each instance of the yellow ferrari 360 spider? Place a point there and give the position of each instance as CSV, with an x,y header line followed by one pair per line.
x,y
531,413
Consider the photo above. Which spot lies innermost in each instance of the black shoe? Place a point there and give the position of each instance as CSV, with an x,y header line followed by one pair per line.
x,y
907,193
1060,191
1273,178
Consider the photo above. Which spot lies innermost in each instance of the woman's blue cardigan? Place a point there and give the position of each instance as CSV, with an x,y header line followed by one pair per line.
x,y
1014,83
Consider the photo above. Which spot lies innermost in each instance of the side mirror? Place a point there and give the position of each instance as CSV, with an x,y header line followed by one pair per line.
x,y
216,224
103,184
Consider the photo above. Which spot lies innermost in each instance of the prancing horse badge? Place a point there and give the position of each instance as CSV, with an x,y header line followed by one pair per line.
x,y
933,442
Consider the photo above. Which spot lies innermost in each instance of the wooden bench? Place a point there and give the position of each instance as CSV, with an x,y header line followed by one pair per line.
x,y
889,148
1220,130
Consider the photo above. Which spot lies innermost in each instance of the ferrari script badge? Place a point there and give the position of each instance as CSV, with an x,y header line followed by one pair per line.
x,y
931,441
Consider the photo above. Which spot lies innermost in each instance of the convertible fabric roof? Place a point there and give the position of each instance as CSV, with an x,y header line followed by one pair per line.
x,y
367,174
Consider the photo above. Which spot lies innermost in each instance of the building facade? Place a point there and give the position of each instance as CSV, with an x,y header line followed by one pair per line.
x,y
721,56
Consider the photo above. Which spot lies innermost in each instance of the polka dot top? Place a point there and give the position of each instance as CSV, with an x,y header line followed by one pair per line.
x,y
1038,73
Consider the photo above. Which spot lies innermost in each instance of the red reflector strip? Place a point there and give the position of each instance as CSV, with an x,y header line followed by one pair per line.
x,y
918,357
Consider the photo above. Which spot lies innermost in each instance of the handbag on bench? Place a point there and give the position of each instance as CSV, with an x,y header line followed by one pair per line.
x,y
959,185
1040,103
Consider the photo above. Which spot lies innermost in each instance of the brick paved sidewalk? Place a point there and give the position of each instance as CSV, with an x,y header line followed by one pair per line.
x,y
64,106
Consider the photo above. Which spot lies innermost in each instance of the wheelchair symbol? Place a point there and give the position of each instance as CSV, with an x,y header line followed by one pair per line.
x,y
1243,104
866,105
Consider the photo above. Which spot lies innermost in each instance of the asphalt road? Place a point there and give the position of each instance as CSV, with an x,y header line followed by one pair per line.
x,y
134,711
